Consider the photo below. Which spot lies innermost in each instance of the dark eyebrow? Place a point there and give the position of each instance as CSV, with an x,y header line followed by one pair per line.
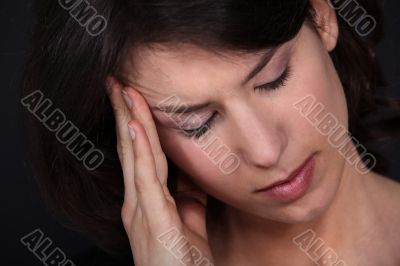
x,y
264,60
181,109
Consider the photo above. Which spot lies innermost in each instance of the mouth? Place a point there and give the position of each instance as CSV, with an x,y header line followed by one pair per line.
x,y
294,186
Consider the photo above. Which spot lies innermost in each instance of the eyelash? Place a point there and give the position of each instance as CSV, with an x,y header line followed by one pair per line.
x,y
274,85
200,131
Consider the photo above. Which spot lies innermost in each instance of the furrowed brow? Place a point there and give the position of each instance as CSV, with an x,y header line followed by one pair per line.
x,y
183,108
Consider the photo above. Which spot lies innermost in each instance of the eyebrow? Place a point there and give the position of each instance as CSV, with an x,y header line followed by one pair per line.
x,y
262,63
181,109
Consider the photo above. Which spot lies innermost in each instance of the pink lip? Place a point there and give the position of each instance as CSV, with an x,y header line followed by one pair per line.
x,y
294,186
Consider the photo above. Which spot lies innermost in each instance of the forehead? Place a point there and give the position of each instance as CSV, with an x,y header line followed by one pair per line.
x,y
165,58
185,70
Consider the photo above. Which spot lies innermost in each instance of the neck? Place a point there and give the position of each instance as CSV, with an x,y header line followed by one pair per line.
x,y
348,217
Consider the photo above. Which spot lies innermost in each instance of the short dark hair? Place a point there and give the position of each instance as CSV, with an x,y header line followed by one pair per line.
x,y
69,66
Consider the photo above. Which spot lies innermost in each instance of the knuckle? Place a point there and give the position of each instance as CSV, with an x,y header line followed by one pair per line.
x,y
120,111
142,182
119,147
121,153
160,157
116,107
126,215
139,184
120,150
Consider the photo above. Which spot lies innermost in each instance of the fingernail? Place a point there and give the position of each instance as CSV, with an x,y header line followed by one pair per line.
x,y
132,131
127,99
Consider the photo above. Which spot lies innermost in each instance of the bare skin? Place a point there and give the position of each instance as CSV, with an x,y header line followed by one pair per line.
x,y
354,214
360,226
349,226
146,194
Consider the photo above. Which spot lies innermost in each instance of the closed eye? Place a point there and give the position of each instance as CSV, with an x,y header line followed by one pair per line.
x,y
276,84
198,132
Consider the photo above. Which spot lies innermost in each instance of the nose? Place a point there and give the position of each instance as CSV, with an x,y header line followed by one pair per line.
x,y
258,139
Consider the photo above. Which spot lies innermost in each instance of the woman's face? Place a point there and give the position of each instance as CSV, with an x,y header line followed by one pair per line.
x,y
266,137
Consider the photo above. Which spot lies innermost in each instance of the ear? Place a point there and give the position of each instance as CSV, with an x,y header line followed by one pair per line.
x,y
326,21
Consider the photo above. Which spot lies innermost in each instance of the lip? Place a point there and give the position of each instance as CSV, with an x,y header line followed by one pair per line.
x,y
295,185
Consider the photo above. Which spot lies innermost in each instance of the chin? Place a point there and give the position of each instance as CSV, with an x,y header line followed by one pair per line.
x,y
307,209
301,214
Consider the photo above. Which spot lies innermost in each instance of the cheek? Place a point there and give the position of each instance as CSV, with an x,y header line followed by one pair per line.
x,y
318,80
315,78
205,170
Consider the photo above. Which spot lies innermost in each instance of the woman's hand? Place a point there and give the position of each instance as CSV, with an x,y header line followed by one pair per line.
x,y
161,231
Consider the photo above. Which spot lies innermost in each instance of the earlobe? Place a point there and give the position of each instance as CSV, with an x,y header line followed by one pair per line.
x,y
326,21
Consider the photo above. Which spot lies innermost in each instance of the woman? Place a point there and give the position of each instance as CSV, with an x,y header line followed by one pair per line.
x,y
231,121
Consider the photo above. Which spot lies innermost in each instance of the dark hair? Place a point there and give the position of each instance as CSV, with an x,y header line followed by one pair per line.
x,y
69,66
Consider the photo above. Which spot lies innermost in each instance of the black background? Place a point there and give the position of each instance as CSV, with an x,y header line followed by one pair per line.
x,y
22,210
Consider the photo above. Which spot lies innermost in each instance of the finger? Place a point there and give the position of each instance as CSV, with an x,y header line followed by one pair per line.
x,y
124,141
142,113
149,190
